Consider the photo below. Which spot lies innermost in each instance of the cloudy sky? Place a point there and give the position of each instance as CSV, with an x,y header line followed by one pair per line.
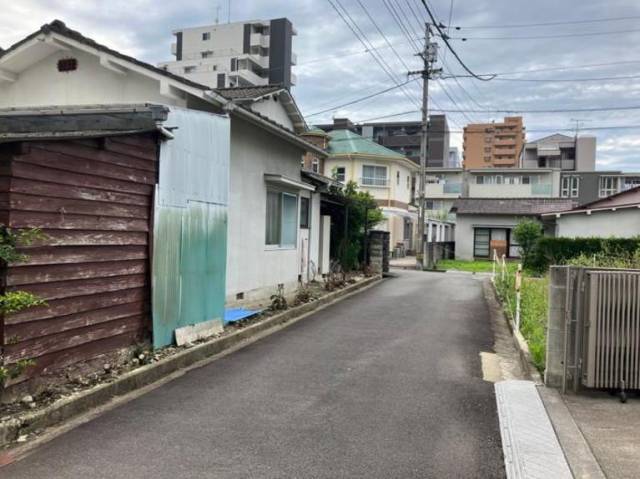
x,y
588,39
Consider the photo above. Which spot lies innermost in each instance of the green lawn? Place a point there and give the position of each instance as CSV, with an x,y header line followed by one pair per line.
x,y
476,266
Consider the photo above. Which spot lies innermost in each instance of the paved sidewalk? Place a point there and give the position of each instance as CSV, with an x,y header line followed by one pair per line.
x,y
612,430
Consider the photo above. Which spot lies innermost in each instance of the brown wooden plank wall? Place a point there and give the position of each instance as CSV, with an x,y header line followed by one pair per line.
x,y
93,200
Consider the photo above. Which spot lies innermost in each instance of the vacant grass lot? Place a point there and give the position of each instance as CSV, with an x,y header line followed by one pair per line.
x,y
475,266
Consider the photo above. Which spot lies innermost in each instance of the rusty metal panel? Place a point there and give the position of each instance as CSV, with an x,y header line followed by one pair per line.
x,y
190,223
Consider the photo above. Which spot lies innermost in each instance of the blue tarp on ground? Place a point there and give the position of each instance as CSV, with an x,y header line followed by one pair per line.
x,y
236,314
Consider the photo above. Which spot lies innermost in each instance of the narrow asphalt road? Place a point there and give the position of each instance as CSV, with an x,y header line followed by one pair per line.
x,y
386,384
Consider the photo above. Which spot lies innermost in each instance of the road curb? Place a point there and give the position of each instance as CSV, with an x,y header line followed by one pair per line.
x,y
81,402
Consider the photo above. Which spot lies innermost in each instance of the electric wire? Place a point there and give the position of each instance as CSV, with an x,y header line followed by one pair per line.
x,y
451,49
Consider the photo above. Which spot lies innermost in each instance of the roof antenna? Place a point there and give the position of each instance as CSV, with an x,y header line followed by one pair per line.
x,y
217,14
229,12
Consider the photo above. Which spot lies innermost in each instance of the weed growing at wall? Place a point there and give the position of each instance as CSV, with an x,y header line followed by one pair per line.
x,y
14,301
534,301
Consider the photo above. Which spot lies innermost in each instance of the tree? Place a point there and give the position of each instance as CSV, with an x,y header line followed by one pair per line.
x,y
362,212
527,233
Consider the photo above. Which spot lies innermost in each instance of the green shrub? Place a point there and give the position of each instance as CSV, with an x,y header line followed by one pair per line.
x,y
527,233
551,251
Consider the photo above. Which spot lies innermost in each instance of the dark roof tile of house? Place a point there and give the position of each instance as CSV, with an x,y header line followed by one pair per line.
x,y
248,93
511,206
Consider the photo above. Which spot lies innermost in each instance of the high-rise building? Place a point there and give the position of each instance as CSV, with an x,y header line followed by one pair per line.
x,y
235,54
404,137
498,145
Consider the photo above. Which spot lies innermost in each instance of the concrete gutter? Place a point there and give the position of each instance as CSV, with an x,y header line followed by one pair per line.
x,y
578,455
81,402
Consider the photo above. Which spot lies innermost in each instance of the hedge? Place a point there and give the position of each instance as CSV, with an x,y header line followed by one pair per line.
x,y
550,250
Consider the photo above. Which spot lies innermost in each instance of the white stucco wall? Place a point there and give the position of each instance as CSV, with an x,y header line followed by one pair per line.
x,y
42,85
253,268
273,110
464,230
622,223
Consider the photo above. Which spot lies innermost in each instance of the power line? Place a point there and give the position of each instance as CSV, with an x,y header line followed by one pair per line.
x,y
552,80
409,25
375,24
451,49
543,37
529,130
366,43
446,92
545,24
358,100
572,67
381,58
398,22
347,54
557,110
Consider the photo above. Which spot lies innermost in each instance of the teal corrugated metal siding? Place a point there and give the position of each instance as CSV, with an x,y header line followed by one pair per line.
x,y
190,229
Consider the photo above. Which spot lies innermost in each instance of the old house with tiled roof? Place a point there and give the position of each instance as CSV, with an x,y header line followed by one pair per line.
x,y
272,219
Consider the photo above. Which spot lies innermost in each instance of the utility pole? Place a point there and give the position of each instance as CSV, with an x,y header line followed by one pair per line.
x,y
429,57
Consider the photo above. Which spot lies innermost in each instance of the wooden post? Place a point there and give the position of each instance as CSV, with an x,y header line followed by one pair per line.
x,y
518,286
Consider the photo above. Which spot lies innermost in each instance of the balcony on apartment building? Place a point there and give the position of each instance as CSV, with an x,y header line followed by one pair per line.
x,y
259,39
443,189
246,77
400,140
511,185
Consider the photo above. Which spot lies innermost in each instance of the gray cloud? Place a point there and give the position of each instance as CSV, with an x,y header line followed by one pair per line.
x,y
329,73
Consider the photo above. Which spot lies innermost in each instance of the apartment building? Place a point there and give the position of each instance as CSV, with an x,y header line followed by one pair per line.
x,y
493,145
403,137
589,186
561,151
252,53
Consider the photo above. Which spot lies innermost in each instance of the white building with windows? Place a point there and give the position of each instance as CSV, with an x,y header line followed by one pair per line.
x,y
385,174
239,54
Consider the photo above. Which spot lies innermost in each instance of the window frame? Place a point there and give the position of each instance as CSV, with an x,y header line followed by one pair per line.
x,y
376,180
305,212
605,191
338,174
281,244
206,36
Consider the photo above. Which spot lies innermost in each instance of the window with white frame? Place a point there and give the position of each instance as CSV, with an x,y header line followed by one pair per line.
x,y
206,36
282,219
608,186
374,175
315,165
340,174
570,187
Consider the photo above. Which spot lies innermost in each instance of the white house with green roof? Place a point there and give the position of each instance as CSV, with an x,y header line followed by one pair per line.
x,y
384,173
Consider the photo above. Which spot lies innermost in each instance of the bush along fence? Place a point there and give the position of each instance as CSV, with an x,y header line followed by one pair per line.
x,y
616,252
525,301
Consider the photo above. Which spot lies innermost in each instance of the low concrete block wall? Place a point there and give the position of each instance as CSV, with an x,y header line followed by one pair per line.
x,y
554,368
